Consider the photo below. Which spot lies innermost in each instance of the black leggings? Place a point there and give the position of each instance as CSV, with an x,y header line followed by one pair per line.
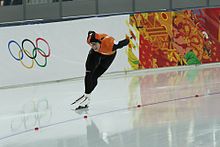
x,y
96,65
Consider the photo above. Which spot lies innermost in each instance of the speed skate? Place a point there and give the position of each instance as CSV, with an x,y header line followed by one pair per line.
x,y
81,103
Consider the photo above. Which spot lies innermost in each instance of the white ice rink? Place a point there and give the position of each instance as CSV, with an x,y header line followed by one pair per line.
x,y
179,108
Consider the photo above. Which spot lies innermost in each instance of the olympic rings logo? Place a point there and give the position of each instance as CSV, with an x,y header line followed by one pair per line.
x,y
22,50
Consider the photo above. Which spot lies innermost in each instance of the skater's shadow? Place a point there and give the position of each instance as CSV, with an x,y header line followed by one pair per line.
x,y
82,111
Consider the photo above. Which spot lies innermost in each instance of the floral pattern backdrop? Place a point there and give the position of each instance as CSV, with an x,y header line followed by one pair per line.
x,y
162,39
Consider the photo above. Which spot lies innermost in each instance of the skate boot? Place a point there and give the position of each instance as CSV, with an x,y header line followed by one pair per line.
x,y
81,102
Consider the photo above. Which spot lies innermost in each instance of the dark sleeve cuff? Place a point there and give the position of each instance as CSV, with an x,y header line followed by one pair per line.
x,y
121,44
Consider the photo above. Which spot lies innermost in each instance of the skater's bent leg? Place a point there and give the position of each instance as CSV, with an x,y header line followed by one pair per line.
x,y
98,72
95,68
92,62
92,77
88,82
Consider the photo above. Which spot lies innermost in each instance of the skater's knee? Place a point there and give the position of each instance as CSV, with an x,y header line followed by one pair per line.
x,y
91,75
88,74
88,71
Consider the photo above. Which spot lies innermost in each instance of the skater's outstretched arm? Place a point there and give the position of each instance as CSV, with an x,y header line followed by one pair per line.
x,y
121,44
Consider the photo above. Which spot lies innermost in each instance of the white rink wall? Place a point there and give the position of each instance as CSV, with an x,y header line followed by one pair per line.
x,y
68,49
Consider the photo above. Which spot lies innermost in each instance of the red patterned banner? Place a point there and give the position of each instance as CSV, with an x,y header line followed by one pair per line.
x,y
174,38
